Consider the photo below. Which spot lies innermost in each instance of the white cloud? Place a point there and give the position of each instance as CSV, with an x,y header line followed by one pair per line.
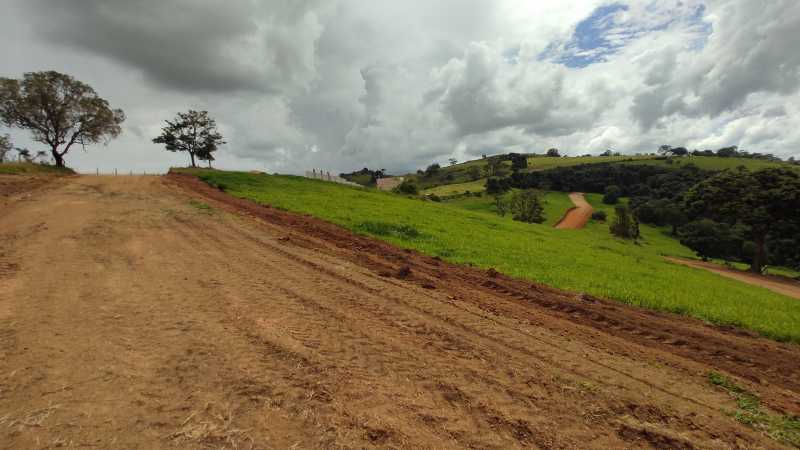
x,y
348,84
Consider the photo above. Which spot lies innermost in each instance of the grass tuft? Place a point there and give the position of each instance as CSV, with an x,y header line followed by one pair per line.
x,y
785,429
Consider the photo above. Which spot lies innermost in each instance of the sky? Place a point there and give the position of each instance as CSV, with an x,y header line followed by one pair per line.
x,y
346,84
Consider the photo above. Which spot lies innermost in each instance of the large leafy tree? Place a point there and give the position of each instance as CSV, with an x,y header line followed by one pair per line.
x,y
762,202
193,132
59,110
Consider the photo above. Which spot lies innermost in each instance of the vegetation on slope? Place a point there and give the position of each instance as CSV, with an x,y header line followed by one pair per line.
x,y
30,168
592,262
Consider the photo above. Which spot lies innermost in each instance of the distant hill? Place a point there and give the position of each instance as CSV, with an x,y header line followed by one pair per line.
x,y
472,171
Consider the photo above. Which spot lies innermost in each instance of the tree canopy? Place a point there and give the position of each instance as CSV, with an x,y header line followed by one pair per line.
x,y
763,202
59,110
194,132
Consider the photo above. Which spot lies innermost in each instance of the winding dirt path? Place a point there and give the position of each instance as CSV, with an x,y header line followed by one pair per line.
x,y
577,217
153,312
776,284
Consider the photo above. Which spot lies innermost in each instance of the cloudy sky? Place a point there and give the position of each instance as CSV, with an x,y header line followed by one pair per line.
x,y
343,84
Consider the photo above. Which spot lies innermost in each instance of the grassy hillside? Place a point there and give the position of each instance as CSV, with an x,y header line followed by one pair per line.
x,y
457,188
714,163
555,205
28,168
592,262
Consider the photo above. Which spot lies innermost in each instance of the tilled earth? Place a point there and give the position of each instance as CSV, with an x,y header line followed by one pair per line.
x,y
155,312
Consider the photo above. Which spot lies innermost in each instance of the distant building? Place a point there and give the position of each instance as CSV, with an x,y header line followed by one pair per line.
x,y
389,183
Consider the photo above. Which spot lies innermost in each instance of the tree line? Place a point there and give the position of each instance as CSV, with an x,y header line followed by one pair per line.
x,y
750,216
62,112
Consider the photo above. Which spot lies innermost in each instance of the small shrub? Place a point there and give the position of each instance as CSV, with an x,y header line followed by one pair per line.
x,y
526,206
624,225
407,232
599,216
612,194
408,187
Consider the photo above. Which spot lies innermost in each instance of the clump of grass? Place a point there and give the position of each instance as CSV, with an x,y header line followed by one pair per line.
x,y
389,229
205,207
20,168
785,429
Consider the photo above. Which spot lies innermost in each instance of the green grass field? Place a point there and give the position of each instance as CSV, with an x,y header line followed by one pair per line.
x,y
28,168
556,205
588,260
714,163
457,188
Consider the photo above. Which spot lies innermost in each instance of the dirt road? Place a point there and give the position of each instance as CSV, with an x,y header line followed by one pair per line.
x,y
777,284
578,216
134,316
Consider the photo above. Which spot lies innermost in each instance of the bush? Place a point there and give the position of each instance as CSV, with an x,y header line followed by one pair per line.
x,y
624,225
612,194
526,206
408,187
406,232
599,216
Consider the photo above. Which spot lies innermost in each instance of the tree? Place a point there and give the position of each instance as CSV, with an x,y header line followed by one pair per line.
x,y
728,152
59,110
452,161
625,224
680,151
665,150
526,206
193,132
710,239
474,173
763,202
497,185
5,147
612,194
518,162
408,187
433,169
553,153
599,216
24,153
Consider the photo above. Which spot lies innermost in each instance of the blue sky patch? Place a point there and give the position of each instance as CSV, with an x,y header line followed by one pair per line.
x,y
604,33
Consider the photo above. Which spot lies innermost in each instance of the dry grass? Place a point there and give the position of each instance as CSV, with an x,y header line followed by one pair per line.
x,y
213,427
29,419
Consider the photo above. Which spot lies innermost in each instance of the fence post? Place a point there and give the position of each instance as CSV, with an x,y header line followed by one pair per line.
x,y
98,171
115,171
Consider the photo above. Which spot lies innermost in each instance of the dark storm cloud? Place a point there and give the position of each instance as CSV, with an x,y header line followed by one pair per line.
x,y
188,45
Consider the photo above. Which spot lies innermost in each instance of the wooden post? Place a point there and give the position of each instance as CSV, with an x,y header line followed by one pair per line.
x,y
115,171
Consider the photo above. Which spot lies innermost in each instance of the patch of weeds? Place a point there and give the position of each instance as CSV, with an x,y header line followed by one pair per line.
x,y
785,429
406,232
205,207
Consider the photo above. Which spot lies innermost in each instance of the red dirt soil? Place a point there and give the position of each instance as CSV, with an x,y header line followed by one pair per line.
x,y
143,319
781,285
577,217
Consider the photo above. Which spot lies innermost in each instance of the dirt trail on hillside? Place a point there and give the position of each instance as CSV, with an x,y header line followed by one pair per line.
x,y
134,316
577,217
780,285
